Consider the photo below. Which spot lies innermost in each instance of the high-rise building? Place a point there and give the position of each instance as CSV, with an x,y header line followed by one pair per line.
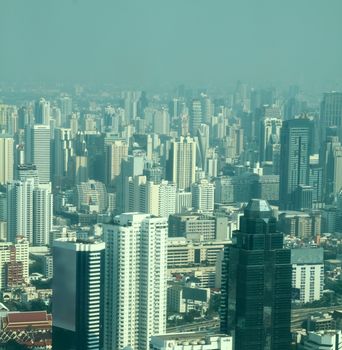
x,y
181,166
203,134
63,153
294,159
116,153
331,113
270,136
203,195
19,250
195,116
135,280
28,171
6,159
42,112
78,294
20,210
307,274
331,162
37,150
42,216
256,283
91,196
66,109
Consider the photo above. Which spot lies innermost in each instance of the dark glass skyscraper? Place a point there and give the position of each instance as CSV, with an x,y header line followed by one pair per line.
x,y
78,294
294,159
256,283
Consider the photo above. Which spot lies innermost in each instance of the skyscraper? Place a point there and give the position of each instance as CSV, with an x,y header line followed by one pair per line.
x,y
37,150
135,281
270,136
331,162
42,216
6,159
116,153
42,112
78,291
256,283
63,153
182,162
331,112
20,210
294,159
195,116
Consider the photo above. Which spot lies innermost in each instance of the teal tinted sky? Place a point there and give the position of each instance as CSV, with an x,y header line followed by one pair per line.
x,y
156,42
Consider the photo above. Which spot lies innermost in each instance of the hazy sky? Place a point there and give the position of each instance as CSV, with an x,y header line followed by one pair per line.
x,y
134,42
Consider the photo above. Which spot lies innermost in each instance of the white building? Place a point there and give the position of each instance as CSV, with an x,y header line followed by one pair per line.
x,y
327,340
181,167
21,255
135,280
192,340
307,273
37,150
203,195
6,159
183,201
167,199
20,210
42,216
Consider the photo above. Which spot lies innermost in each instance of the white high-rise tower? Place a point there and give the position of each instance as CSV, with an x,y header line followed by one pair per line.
x,y
6,159
135,286
20,210
37,146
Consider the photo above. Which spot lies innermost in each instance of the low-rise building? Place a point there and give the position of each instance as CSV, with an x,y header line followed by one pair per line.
x,y
192,340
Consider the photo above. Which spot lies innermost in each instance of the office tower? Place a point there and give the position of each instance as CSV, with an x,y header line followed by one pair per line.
x,y
181,164
316,182
294,159
195,116
42,112
91,196
37,150
207,108
203,195
6,159
42,216
331,113
331,162
20,210
28,171
66,109
116,153
161,122
134,164
198,340
307,274
256,283
16,252
78,294
203,134
63,153
303,198
270,136
135,281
